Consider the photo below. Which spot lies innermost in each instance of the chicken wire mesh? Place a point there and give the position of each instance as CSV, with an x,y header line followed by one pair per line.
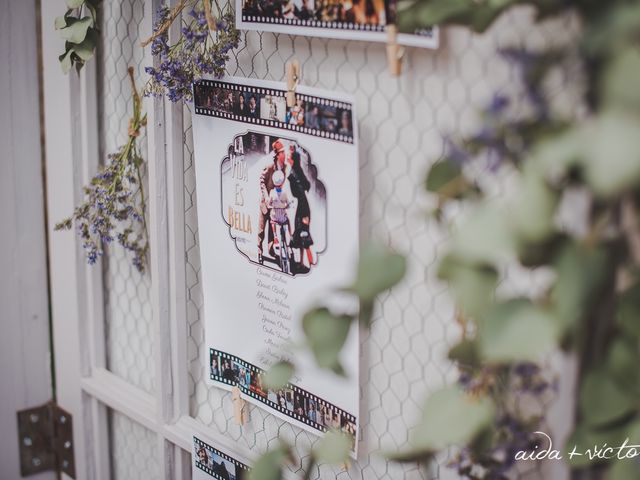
x,y
401,124
134,449
128,312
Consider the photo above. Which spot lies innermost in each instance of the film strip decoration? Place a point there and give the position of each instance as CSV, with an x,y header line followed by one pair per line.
x,y
216,463
297,22
291,400
332,119
333,24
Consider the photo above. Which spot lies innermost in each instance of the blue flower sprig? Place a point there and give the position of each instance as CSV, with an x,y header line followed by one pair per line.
x,y
202,49
115,205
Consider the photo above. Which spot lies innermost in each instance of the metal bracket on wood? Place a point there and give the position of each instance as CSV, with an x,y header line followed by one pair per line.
x,y
45,434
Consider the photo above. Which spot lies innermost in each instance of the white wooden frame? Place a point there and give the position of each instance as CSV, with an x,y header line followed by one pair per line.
x,y
85,387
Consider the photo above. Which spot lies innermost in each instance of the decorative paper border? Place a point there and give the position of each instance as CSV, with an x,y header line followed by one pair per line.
x,y
255,390
241,468
206,94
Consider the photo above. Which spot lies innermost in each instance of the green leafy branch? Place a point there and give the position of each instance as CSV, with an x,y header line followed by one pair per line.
x,y
79,28
590,306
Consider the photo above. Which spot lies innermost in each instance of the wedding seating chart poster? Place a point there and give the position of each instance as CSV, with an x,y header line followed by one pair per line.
x,y
343,19
208,462
277,193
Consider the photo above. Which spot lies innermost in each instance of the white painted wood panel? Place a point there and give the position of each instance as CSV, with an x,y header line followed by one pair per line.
x,y
25,373
70,277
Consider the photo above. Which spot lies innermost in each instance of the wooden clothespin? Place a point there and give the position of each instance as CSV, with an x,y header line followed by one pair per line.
x,y
293,74
240,408
395,52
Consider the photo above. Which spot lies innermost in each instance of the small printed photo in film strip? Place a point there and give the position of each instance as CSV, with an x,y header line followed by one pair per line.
x,y
290,400
360,15
311,115
216,463
347,15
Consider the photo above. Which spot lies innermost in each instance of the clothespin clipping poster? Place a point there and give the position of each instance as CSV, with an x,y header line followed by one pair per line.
x,y
293,75
240,410
395,52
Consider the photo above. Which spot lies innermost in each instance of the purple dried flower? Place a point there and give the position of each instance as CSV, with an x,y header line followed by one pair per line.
x,y
198,52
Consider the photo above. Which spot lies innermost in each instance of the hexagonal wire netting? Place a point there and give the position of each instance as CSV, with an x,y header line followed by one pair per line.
x,y
128,314
134,449
401,124
128,311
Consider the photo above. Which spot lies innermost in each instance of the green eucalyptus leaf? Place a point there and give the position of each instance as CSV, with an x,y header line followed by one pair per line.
x,y
446,179
557,156
452,417
612,153
628,311
86,49
602,401
60,22
580,272
365,314
535,254
465,353
333,448
441,175
411,456
623,360
484,236
269,466
533,208
472,285
517,330
622,79
75,3
76,31
326,334
278,375
379,269
65,61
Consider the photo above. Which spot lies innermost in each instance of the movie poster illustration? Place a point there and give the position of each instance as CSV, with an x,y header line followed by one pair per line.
x,y
277,204
342,19
208,462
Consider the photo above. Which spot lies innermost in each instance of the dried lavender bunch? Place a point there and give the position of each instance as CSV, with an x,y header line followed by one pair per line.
x,y
202,49
114,208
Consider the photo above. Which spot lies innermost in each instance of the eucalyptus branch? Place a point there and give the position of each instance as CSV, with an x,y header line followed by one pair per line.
x,y
80,32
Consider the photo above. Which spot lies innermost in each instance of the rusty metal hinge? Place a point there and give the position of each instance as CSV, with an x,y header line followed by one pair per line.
x,y
45,434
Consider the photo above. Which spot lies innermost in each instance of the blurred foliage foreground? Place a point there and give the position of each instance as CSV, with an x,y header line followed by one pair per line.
x,y
590,306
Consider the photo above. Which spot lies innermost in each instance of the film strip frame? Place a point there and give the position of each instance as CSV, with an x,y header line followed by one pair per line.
x,y
241,468
296,22
260,92
256,372
427,32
